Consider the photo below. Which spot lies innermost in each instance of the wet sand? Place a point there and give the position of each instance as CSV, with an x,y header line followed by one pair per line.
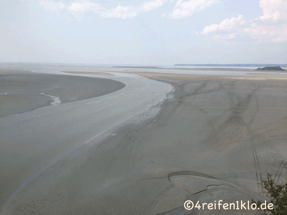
x,y
89,73
189,77
214,138
22,91
36,146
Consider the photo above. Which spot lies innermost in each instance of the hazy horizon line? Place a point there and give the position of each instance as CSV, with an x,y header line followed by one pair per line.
x,y
153,65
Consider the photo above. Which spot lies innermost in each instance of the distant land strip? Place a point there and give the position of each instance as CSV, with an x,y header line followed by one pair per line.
x,y
270,68
138,67
234,65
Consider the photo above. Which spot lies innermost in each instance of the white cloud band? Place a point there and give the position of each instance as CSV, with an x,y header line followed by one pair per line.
x,y
184,9
273,11
224,25
122,12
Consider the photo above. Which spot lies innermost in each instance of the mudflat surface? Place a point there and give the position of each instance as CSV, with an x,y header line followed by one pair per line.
x,y
23,91
214,139
38,148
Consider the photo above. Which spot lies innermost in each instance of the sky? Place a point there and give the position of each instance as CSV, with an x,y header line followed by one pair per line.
x,y
143,32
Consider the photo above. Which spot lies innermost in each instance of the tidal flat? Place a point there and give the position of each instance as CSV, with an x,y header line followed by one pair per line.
x,y
214,138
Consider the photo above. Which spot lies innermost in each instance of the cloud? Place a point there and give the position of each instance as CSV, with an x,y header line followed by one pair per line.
x,y
79,9
151,5
85,6
184,9
226,24
122,12
224,36
273,10
262,32
51,5
130,11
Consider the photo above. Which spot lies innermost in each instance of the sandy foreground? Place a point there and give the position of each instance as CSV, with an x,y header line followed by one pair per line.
x,y
214,139
36,145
